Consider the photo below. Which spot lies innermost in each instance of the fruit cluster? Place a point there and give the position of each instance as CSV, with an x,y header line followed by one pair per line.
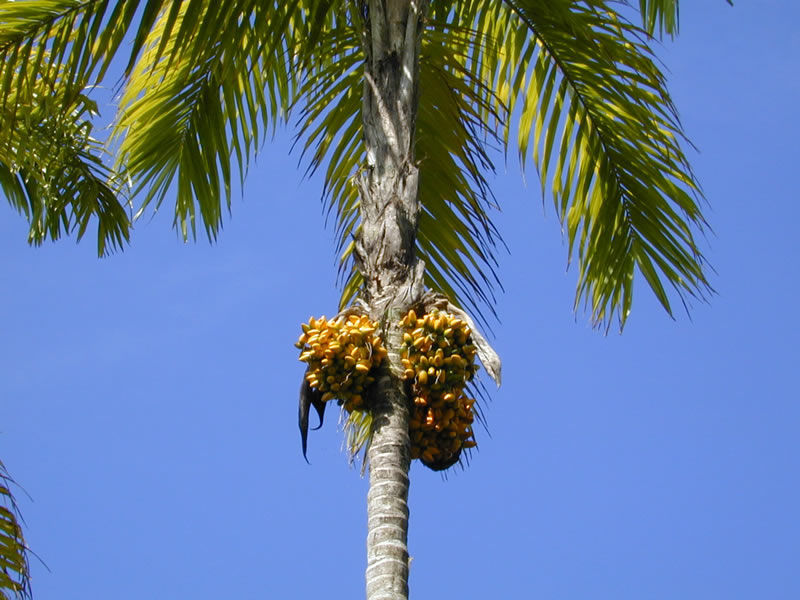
x,y
340,354
439,360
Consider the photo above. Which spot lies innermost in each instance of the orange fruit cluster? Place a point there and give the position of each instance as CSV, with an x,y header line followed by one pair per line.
x,y
340,354
439,360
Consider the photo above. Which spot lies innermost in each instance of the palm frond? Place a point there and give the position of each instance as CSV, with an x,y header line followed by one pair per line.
x,y
14,572
52,169
659,16
210,79
75,38
602,130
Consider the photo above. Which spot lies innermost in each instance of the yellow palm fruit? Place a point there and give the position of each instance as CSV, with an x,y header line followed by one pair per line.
x,y
362,366
328,396
349,362
419,342
469,444
378,351
407,338
409,374
422,377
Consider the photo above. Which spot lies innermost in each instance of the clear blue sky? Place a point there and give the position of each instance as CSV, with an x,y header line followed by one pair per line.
x,y
150,398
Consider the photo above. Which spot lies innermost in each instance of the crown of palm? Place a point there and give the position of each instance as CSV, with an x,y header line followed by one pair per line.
x,y
206,81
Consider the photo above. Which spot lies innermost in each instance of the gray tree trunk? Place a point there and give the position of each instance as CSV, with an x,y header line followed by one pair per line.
x,y
393,276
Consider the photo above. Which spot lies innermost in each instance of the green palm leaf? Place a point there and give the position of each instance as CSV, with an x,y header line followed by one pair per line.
x,y
75,38
52,169
596,118
188,109
661,16
14,573
593,113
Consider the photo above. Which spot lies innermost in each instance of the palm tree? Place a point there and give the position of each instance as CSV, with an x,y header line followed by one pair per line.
x,y
401,102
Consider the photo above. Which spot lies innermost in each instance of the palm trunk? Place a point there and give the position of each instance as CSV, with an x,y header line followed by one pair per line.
x,y
393,276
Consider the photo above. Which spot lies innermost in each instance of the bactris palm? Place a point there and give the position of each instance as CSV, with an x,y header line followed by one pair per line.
x,y
400,103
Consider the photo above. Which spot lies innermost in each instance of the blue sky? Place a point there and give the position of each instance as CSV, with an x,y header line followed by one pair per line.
x,y
150,398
